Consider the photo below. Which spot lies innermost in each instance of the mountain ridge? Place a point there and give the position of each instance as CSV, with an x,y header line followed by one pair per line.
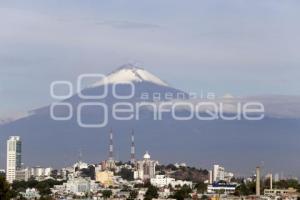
x,y
55,143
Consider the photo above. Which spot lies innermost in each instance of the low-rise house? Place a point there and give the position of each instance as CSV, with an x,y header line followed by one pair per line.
x,y
280,192
164,181
221,187
31,193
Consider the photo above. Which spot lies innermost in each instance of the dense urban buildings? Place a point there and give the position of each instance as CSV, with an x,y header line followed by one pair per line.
x,y
112,178
219,174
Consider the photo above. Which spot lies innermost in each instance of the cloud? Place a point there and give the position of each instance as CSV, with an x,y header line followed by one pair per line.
x,y
219,48
13,117
127,25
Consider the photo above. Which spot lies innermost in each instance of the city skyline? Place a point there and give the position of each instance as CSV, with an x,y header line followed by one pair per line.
x,y
231,69
14,163
149,100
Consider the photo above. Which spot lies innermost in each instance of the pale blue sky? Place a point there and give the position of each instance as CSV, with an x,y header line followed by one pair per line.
x,y
242,47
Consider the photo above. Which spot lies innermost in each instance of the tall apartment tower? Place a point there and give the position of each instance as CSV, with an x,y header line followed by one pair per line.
x,y
132,149
14,156
218,173
257,181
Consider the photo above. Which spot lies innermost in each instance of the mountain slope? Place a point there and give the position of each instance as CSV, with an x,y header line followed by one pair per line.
x,y
239,145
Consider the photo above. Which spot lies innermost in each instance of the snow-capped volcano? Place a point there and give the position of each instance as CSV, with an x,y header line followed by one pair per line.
x,y
168,138
146,88
130,73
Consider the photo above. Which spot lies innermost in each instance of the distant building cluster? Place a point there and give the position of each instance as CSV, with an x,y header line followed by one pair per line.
x,y
218,173
220,180
15,170
92,180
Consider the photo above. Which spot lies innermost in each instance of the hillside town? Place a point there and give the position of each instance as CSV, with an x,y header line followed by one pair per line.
x,y
144,178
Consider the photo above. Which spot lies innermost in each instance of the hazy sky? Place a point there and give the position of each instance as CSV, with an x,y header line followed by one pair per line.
x,y
242,47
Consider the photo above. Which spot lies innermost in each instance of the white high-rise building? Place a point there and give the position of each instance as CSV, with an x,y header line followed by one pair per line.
x,y
218,173
14,155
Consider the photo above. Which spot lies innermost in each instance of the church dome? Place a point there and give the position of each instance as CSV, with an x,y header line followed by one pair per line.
x,y
147,155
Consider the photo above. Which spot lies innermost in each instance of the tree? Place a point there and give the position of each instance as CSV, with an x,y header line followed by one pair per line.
x,y
19,186
126,174
147,184
171,167
106,194
5,192
285,184
31,183
54,174
132,195
245,189
201,187
183,193
152,192
221,191
43,188
138,185
88,172
46,198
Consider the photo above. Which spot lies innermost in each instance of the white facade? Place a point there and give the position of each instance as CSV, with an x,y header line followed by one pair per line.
x,y
218,173
66,171
216,188
181,183
40,171
78,186
2,171
163,181
165,193
280,192
37,171
22,174
31,193
80,165
14,152
180,165
47,171
228,176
